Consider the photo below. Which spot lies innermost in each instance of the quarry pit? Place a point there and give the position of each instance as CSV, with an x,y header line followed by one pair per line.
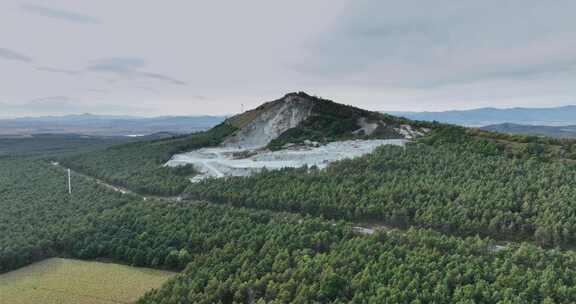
x,y
233,161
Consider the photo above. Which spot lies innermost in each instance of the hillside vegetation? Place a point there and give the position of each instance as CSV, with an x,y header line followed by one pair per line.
x,y
139,166
452,181
416,267
235,255
287,236
40,220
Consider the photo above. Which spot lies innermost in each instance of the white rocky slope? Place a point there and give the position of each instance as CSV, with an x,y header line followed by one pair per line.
x,y
279,117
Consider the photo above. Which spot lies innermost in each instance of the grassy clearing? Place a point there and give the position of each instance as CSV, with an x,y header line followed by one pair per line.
x,y
63,281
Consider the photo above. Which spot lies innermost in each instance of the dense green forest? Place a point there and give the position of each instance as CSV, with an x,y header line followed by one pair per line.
x,y
139,166
38,216
451,181
40,219
296,242
416,267
235,255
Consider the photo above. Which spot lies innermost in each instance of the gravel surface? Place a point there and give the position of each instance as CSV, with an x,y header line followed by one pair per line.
x,y
221,161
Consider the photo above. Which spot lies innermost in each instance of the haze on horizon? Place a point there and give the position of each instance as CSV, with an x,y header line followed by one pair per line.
x,y
196,57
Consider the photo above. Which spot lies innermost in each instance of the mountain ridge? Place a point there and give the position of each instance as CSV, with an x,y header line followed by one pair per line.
x,y
107,125
548,116
536,130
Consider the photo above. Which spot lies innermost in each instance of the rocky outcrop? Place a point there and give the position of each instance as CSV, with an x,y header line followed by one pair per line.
x,y
269,122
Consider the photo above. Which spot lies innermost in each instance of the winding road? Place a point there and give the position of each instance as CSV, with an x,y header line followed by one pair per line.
x,y
117,188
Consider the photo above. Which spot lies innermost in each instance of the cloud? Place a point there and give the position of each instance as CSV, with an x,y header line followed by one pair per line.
x,y
58,70
99,91
13,55
123,67
128,67
59,14
161,78
429,43
117,64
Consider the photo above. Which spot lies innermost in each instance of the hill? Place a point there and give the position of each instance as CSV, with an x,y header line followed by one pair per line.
x,y
557,116
297,117
295,123
294,131
550,131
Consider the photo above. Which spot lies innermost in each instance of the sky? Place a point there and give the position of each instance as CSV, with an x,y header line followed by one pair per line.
x,y
192,57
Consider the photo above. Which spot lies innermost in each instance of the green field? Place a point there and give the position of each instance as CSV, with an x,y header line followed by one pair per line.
x,y
63,281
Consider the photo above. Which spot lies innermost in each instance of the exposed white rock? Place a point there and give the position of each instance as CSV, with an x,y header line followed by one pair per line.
x,y
223,161
366,127
407,131
267,126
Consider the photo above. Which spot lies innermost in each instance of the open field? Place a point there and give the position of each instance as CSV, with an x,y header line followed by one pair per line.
x,y
63,281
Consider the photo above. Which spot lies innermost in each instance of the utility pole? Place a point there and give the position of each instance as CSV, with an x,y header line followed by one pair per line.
x,y
69,182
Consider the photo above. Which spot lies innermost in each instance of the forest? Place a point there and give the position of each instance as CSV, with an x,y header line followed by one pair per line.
x,y
238,255
38,216
139,166
40,219
451,181
287,236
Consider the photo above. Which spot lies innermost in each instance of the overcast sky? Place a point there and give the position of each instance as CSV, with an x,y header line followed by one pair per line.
x,y
188,57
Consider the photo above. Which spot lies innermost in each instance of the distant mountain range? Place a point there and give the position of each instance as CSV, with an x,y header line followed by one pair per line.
x,y
555,122
104,125
62,144
558,116
550,131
